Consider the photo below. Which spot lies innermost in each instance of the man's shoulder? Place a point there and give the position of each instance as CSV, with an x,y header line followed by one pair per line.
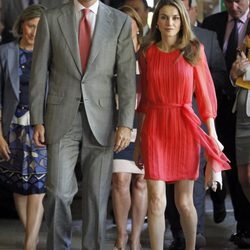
x,y
55,11
200,31
218,17
114,13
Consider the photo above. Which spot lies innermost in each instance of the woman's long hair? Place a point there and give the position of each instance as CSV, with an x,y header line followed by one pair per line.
x,y
186,41
134,15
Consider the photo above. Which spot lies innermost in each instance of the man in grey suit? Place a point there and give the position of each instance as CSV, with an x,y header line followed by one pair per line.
x,y
80,116
12,8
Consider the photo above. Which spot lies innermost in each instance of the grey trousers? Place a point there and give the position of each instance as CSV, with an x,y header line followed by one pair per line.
x,y
96,166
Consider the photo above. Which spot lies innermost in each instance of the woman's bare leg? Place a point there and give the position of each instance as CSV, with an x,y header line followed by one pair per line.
x,y
121,204
188,216
138,209
21,207
34,220
156,217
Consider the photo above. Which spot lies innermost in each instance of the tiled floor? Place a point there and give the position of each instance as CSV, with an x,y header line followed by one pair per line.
x,y
11,233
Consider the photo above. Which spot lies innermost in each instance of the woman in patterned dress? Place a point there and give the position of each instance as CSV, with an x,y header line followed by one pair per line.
x,y
22,165
129,189
173,67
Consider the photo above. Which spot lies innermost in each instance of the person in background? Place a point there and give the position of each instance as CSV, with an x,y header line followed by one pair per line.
x,y
230,27
241,68
23,166
81,45
173,64
142,8
193,13
129,189
217,68
12,8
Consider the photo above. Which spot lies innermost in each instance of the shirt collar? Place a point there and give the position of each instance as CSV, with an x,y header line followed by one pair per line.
x,y
242,19
93,8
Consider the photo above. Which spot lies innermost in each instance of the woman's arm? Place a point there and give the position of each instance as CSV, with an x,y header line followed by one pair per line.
x,y
137,152
4,148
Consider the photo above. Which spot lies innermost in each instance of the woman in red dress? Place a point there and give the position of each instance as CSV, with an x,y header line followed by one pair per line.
x,y
173,68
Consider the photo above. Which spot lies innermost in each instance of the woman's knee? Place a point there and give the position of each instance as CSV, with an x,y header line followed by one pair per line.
x,y
157,205
139,183
184,206
120,182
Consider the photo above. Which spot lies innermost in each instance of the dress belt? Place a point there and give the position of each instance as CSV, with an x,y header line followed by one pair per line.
x,y
169,105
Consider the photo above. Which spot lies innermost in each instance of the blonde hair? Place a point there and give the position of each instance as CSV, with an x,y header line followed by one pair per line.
x,y
134,15
186,41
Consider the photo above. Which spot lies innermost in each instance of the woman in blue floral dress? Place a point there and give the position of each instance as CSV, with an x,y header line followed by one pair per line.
x,y
22,164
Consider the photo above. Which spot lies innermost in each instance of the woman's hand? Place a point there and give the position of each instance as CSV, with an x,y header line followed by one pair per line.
x,y
239,67
137,155
4,149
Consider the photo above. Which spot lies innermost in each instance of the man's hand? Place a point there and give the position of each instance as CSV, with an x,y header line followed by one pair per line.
x,y
38,137
4,149
122,138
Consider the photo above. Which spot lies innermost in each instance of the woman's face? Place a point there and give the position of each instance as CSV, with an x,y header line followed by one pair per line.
x,y
169,21
29,28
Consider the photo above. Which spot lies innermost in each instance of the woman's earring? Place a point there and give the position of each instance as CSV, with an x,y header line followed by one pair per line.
x,y
156,26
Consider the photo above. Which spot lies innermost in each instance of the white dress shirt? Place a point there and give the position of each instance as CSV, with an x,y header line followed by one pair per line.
x,y
91,17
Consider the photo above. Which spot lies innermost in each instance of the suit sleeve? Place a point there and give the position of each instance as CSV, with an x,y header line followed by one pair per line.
x,y
39,72
142,107
126,76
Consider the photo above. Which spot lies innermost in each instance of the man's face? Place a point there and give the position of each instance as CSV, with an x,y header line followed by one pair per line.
x,y
140,8
236,8
192,11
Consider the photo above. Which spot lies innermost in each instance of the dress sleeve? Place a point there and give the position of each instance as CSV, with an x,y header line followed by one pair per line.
x,y
204,88
142,101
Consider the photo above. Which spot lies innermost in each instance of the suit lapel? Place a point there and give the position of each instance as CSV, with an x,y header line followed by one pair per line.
x,y
13,64
67,23
222,29
101,33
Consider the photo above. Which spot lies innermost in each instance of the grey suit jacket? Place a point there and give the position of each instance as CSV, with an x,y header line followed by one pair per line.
x,y
9,83
11,9
56,50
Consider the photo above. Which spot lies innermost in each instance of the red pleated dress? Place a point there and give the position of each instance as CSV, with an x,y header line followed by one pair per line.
x,y
171,135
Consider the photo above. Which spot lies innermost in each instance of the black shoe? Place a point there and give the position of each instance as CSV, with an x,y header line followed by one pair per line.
x,y
219,212
235,237
178,244
243,242
200,241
